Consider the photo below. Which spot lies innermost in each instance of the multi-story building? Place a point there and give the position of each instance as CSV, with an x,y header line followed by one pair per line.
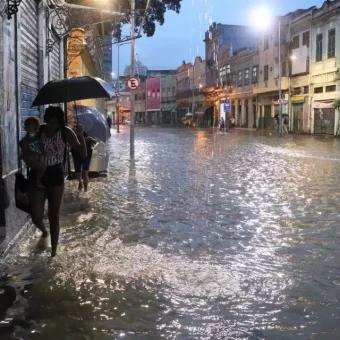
x,y
184,93
107,58
267,89
241,78
168,99
325,62
233,37
140,102
300,98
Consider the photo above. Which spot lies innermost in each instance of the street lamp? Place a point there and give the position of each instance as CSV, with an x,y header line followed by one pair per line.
x,y
118,90
262,18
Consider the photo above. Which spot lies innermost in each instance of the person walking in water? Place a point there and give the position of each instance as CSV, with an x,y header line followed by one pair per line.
x,y
54,138
82,166
222,124
109,121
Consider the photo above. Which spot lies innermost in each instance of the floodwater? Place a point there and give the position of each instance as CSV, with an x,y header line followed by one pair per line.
x,y
201,236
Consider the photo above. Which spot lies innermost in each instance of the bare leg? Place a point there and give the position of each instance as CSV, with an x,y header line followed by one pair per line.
x,y
79,179
54,196
37,198
86,179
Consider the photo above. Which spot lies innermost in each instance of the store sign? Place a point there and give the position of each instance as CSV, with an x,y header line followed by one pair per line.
x,y
227,107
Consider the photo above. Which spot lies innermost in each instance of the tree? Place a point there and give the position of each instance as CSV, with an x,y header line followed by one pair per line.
x,y
155,13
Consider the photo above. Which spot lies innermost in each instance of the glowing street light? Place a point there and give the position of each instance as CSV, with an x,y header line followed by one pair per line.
x,y
262,18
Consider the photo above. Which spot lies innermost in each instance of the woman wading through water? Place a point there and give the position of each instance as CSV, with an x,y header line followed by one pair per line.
x,y
54,137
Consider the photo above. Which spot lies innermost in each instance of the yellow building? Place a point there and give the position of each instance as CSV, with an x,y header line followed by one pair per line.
x,y
80,63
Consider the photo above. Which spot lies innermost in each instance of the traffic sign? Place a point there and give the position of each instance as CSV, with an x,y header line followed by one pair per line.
x,y
280,101
133,83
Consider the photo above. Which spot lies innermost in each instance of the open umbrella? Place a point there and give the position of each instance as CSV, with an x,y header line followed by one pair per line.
x,y
93,121
72,89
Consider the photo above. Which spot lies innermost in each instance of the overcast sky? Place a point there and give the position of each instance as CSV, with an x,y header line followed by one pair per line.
x,y
181,36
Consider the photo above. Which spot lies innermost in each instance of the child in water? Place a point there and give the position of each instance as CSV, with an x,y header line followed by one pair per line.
x,y
32,142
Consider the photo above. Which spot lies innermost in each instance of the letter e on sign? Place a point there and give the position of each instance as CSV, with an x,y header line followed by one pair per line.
x,y
133,83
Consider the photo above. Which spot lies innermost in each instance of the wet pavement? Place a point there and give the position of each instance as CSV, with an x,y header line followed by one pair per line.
x,y
202,236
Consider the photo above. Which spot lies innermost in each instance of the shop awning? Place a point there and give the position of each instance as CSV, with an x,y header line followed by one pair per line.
x,y
297,99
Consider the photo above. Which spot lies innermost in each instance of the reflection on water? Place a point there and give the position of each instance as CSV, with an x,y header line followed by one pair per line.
x,y
200,236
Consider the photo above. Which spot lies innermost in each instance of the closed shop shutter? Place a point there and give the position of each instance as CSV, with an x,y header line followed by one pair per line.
x,y
324,121
29,57
55,58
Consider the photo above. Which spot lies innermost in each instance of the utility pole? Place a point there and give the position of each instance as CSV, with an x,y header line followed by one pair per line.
x,y
132,74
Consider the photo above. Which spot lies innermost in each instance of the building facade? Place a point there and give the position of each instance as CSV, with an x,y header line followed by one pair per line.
x,y
267,89
300,98
153,101
184,92
242,77
325,55
28,60
168,96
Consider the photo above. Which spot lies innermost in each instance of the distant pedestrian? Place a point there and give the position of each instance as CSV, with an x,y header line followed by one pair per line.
x,y
222,124
109,121
232,122
285,124
82,166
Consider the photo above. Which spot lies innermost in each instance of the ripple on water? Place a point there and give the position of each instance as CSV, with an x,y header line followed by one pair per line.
x,y
200,237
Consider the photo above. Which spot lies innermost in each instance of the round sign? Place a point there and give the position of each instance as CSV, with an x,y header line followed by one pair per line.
x,y
133,84
280,101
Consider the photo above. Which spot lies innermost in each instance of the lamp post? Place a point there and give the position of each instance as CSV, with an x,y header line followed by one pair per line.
x,y
118,76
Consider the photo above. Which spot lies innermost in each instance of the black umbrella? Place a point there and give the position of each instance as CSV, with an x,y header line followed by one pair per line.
x,y
72,89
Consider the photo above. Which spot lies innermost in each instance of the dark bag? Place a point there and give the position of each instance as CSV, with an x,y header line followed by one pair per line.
x,y
21,193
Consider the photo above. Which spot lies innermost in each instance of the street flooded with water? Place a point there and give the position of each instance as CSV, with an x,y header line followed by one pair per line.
x,y
201,236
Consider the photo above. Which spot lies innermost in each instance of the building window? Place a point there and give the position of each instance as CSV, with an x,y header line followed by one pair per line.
x,y
331,43
306,89
228,69
239,78
254,74
318,56
296,90
136,97
173,91
158,93
144,96
307,64
318,90
265,42
149,93
296,42
233,78
305,39
246,76
266,73
331,88
153,94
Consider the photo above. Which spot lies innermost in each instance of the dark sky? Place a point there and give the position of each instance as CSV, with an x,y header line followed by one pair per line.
x,y
181,36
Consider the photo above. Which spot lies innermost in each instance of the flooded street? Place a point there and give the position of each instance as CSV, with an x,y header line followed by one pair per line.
x,y
201,236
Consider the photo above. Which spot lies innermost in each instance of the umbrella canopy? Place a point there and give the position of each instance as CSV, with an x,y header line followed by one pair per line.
x,y
93,121
72,89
